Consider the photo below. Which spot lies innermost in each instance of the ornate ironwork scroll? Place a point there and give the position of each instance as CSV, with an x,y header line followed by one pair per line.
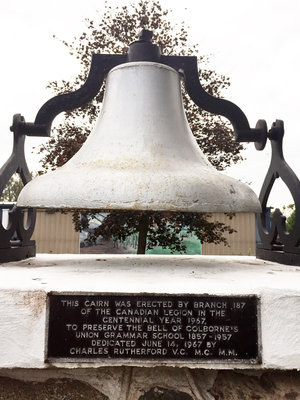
x,y
276,243
15,243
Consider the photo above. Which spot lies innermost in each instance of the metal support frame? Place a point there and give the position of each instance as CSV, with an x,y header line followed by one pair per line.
x,y
15,243
144,50
276,243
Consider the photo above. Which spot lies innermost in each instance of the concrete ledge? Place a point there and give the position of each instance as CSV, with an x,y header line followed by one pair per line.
x,y
24,286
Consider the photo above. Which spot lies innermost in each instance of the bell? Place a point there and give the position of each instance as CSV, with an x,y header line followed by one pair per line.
x,y
141,155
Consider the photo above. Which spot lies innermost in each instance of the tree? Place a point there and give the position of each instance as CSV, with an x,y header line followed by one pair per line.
x,y
291,219
116,29
154,228
12,189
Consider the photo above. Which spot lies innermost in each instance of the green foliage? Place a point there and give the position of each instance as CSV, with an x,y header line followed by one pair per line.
x,y
12,189
291,219
116,28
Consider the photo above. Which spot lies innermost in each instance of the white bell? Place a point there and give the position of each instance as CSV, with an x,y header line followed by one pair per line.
x,y
141,155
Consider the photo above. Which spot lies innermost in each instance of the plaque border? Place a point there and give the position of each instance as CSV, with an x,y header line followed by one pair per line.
x,y
152,361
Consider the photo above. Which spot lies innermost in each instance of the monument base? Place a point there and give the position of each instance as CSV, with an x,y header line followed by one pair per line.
x,y
138,383
215,288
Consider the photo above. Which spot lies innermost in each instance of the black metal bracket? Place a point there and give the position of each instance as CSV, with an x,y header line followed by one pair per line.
x,y
15,243
101,64
276,243
142,50
188,67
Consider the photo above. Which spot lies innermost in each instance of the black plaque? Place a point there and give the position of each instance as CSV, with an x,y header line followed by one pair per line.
x,y
95,327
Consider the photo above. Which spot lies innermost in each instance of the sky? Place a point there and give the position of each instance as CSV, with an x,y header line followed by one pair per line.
x,y
255,43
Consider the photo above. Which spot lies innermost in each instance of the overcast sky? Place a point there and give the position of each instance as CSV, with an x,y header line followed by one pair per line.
x,y
255,43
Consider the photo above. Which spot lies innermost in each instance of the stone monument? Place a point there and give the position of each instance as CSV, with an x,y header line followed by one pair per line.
x,y
123,327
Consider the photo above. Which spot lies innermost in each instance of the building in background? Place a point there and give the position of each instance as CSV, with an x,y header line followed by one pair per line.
x,y
55,233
